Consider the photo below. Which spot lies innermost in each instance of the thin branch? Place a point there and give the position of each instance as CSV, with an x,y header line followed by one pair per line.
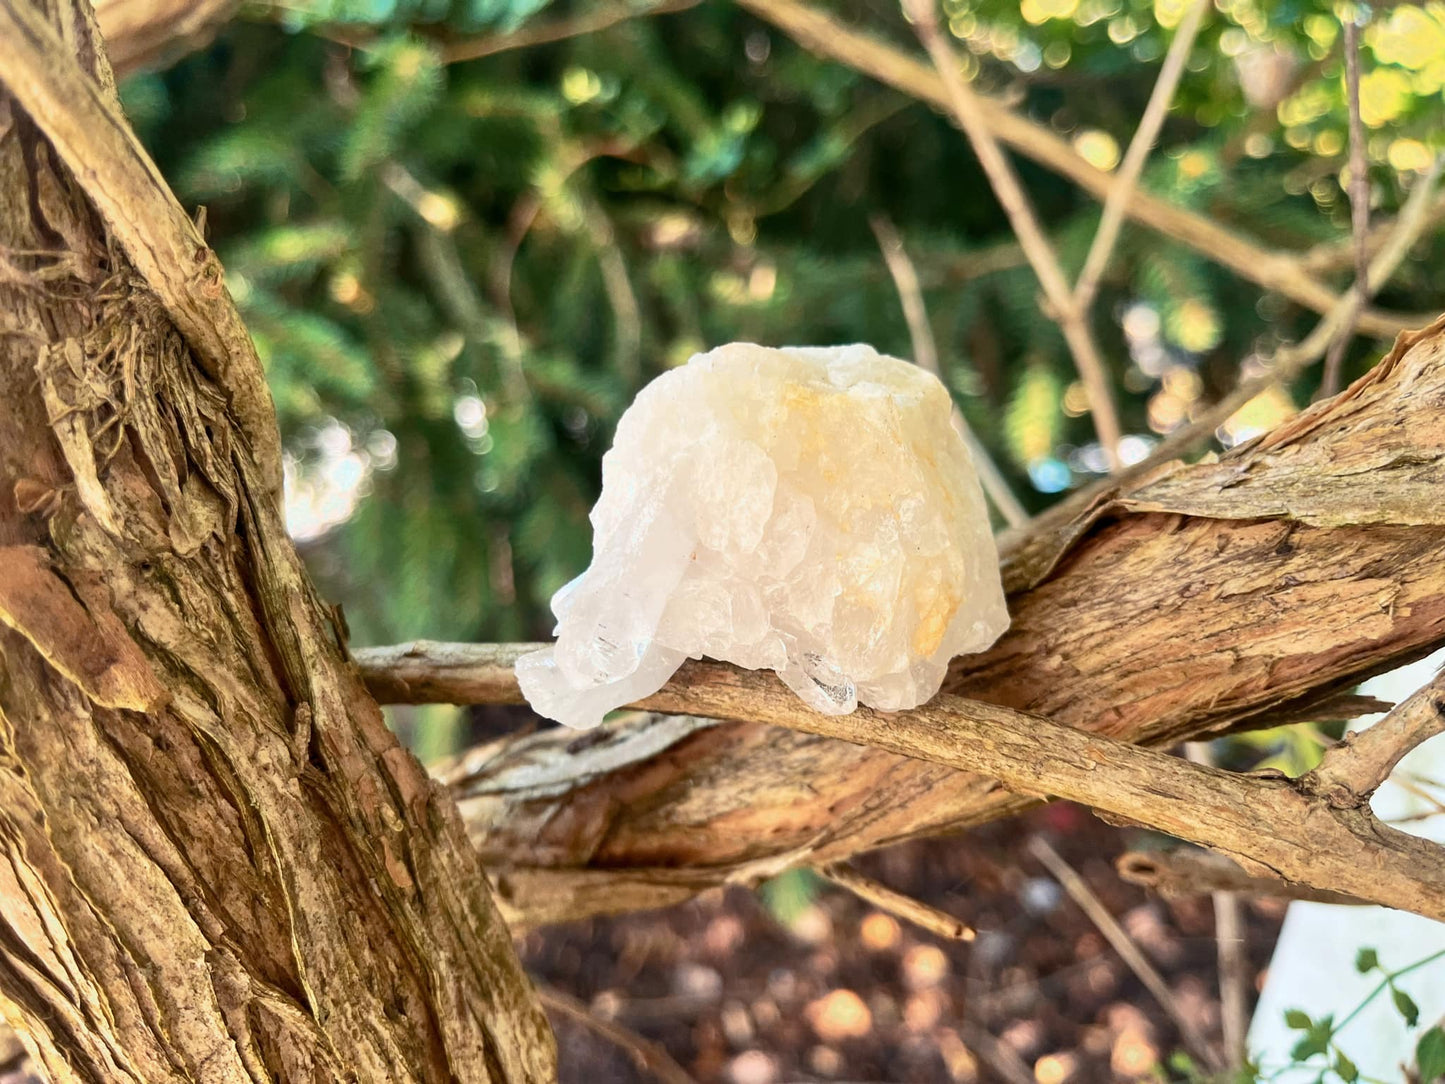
x,y
1359,203
545,33
1230,953
925,355
1267,823
645,1054
1117,202
920,914
1185,872
1001,1057
825,36
82,120
1045,261
1288,362
1124,945
1352,770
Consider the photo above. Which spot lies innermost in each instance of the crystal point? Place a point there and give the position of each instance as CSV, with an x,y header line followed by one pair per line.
x,y
809,510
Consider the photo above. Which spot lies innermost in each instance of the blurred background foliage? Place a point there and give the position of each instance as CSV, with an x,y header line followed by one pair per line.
x,y
459,271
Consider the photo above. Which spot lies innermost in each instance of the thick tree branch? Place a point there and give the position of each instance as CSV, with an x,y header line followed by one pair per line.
x,y
820,33
1209,598
1264,822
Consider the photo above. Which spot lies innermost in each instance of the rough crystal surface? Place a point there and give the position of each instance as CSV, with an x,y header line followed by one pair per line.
x,y
810,510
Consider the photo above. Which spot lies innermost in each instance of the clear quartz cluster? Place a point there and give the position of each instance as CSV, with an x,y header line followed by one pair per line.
x,y
810,510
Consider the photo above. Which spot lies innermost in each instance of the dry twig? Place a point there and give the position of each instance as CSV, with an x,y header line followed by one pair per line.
x,y
1231,954
1124,945
920,914
1117,202
646,1055
1359,205
590,22
1185,871
825,36
1062,307
925,355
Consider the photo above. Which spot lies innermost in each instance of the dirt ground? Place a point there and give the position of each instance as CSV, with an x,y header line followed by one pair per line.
x,y
805,982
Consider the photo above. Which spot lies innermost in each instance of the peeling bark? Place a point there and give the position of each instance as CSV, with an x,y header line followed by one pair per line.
x,y
216,864
1207,598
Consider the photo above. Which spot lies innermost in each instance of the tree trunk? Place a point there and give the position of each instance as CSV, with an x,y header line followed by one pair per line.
x,y
216,863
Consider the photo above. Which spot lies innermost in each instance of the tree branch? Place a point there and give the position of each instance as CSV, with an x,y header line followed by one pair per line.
x,y
1188,872
545,33
1264,822
1210,597
1351,771
925,355
141,34
823,35
1359,205
1062,306
1117,201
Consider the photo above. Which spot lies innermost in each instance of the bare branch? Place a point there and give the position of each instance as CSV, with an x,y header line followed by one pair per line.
x,y
1265,822
1188,872
1138,153
1287,571
646,1055
1359,204
920,914
925,355
825,36
1041,255
544,33
1287,363
1124,945
1230,951
1351,771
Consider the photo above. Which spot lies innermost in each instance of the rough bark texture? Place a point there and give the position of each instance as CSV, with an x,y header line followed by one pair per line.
x,y
216,864
1212,597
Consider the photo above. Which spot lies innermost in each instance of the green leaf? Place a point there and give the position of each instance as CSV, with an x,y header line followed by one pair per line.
x,y
1408,1009
1316,1039
1345,1068
1298,1019
1366,960
1430,1055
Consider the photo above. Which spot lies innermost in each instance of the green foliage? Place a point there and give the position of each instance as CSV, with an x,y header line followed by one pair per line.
x,y
1430,1055
1319,1042
458,275
789,894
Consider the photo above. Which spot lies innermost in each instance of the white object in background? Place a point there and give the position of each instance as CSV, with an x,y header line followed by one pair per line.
x,y
1313,968
809,510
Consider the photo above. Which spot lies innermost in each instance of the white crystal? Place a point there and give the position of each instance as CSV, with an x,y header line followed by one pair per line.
x,y
807,510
